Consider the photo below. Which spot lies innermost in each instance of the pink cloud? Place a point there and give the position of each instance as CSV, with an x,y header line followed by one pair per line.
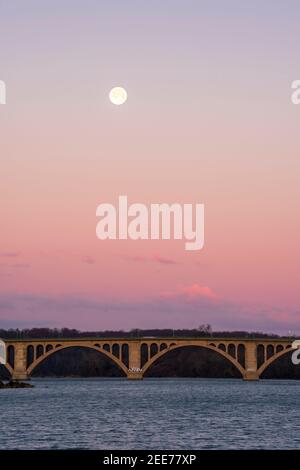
x,y
156,258
9,254
139,258
21,265
196,291
192,292
88,260
162,260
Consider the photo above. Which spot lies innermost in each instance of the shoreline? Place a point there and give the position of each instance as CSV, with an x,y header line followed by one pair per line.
x,y
15,384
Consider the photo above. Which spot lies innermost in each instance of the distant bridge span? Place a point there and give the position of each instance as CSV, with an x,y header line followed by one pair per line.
x,y
134,356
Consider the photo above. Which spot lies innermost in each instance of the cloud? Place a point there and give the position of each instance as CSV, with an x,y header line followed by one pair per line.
x,y
138,258
193,292
175,311
196,291
9,254
155,258
88,260
20,265
163,260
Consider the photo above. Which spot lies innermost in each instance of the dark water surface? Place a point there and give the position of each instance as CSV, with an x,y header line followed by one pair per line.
x,y
151,414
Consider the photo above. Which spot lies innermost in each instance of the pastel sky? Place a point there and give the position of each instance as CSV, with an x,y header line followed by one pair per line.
x,y
209,119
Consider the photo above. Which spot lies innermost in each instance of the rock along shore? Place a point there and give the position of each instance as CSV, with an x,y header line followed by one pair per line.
x,y
15,384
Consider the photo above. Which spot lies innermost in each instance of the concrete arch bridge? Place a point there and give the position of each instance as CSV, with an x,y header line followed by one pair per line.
x,y
134,356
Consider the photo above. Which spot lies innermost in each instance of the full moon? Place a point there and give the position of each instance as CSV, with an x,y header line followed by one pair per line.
x,y
118,95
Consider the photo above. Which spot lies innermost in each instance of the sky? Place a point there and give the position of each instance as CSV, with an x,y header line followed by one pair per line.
x,y
208,119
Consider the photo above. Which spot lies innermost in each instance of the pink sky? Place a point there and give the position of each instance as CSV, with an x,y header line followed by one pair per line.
x,y
207,120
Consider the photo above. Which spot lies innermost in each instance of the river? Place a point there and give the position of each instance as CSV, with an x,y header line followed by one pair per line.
x,y
159,414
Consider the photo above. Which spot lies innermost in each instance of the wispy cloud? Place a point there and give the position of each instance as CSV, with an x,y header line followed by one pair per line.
x,y
154,258
162,260
88,260
137,258
20,265
176,311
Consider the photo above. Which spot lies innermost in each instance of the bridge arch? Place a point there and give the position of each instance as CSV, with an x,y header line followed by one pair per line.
x,y
55,350
272,359
8,368
163,352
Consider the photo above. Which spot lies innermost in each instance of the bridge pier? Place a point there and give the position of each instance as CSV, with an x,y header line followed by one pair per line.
x,y
134,369
132,375
20,376
251,375
20,372
251,362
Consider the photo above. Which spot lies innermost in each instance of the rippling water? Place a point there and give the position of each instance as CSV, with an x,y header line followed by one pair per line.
x,y
151,414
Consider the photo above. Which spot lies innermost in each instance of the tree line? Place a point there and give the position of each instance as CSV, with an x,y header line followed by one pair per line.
x,y
202,331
